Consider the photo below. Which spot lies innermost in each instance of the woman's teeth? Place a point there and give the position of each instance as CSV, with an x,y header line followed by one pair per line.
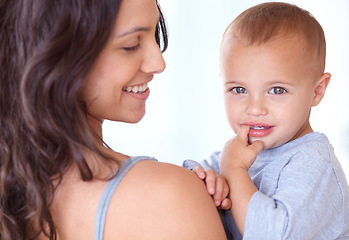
x,y
136,89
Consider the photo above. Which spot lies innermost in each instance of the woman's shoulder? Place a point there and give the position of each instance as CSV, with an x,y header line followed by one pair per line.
x,y
158,200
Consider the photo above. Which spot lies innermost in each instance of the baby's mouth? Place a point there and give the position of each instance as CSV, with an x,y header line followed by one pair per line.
x,y
136,89
259,127
260,130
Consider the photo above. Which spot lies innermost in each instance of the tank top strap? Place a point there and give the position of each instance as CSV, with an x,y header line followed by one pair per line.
x,y
109,191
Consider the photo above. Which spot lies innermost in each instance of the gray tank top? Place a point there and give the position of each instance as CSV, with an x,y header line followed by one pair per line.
x,y
109,191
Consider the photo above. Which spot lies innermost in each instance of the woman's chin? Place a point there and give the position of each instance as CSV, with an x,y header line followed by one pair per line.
x,y
135,118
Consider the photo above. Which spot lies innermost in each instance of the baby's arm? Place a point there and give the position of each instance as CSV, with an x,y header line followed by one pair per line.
x,y
237,157
216,186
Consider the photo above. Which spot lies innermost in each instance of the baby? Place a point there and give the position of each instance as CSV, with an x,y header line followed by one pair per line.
x,y
284,179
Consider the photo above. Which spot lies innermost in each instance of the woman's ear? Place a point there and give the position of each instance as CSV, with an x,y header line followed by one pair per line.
x,y
320,88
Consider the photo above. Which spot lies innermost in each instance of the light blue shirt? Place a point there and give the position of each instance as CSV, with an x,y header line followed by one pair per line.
x,y
303,192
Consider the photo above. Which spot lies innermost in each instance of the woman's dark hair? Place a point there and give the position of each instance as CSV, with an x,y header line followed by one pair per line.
x,y
46,50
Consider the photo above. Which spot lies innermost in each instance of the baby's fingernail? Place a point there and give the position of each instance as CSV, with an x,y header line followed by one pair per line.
x,y
202,175
211,191
216,203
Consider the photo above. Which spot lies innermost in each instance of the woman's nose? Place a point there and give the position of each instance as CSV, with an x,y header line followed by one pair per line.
x,y
153,60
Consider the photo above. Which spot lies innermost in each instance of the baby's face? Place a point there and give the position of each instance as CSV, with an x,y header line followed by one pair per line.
x,y
268,87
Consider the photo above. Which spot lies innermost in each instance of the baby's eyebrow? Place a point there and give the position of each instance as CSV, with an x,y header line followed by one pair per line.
x,y
281,82
233,82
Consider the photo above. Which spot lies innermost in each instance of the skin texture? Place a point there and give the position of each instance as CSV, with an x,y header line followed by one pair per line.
x,y
268,87
154,200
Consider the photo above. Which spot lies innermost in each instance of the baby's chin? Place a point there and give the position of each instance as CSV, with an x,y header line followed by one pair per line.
x,y
253,139
266,144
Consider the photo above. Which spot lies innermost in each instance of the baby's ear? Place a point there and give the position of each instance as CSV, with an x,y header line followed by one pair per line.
x,y
320,88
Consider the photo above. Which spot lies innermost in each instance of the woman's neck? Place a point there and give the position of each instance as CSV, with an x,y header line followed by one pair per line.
x,y
96,125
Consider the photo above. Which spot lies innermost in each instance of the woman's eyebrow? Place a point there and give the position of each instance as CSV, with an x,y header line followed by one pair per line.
x,y
133,30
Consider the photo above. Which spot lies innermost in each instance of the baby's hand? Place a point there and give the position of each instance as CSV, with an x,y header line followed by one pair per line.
x,y
238,152
216,186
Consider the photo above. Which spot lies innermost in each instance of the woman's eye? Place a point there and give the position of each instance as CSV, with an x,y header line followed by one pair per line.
x,y
277,90
131,49
239,90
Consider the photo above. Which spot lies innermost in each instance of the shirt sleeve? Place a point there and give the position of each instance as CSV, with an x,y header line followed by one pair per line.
x,y
211,163
307,204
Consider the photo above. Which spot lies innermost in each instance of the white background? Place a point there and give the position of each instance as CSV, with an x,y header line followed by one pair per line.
x,y
185,116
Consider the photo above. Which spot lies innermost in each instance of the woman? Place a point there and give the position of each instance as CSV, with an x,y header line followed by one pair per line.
x,y
65,67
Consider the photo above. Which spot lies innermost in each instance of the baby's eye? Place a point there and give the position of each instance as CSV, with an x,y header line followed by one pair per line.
x,y
277,90
239,90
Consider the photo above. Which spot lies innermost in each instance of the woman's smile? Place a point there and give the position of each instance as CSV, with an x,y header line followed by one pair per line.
x,y
136,89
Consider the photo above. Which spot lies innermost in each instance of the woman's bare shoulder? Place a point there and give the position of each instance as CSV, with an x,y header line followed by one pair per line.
x,y
162,201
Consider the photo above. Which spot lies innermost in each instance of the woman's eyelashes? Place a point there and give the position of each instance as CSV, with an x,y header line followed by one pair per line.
x,y
132,48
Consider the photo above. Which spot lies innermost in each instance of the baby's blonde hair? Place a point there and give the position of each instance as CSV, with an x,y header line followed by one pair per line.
x,y
267,21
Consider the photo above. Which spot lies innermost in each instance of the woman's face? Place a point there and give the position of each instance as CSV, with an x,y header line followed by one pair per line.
x,y
116,87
